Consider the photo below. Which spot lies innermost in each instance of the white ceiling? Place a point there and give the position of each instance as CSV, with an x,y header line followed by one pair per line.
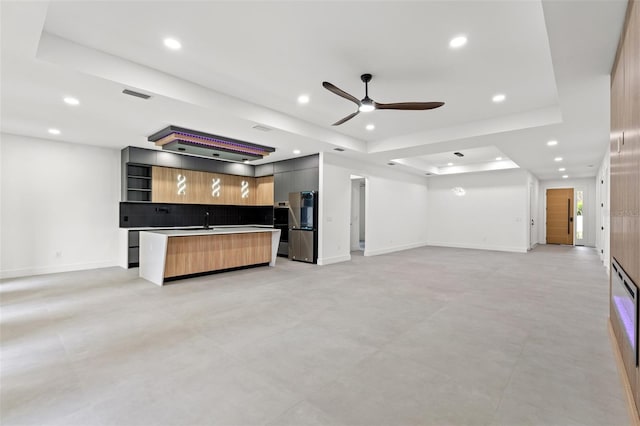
x,y
244,63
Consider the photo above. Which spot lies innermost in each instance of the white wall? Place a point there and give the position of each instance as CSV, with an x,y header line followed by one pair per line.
x,y
395,205
363,216
603,211
493,214
396,214
334,213
59,206
587,185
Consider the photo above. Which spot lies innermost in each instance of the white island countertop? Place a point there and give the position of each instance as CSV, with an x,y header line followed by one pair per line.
x,y
214,230
178,228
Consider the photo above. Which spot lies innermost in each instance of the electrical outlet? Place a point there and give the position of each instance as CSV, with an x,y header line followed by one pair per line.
x,y
58,254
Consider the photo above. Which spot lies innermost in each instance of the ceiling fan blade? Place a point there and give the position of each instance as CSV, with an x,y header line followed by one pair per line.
x,y
414,106
347,118
330,87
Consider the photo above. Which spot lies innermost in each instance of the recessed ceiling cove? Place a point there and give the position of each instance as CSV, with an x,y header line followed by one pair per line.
x,y
480,159
270,65
244,74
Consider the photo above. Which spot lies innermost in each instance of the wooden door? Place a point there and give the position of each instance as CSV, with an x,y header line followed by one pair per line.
x,y
560,216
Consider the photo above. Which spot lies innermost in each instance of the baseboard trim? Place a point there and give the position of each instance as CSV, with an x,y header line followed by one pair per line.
x,y
631,404
479,247
335,259
25,272
393,249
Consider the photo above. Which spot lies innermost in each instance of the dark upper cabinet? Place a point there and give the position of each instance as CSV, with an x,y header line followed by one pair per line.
x,y
139,156
168,159
154,157
294,181
283,166
299,174
309,162
304,180
264,170
201,164
294,175
282,185
238,169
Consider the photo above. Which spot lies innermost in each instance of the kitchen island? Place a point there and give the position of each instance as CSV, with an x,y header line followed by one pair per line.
x,y
174,253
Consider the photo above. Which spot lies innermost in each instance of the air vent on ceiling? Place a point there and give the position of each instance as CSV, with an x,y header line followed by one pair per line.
x,y
136,94
391,164
262,128
459,154
338,149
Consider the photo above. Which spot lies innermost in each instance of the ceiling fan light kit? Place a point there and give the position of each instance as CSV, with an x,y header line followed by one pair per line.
x,y
367,104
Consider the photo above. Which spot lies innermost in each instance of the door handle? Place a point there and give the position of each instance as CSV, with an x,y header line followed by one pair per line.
x,y
532,224
569,216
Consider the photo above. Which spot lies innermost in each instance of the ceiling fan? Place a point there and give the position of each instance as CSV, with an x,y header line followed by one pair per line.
x,y
367,104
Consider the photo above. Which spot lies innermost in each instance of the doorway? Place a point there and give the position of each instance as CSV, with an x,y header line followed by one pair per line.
x,y
533,240
357,218
560,216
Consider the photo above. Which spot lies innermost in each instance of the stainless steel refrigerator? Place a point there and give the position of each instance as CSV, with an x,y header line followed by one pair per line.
x,y
303,230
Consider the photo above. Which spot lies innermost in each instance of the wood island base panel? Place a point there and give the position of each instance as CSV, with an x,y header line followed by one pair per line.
x,y
176,253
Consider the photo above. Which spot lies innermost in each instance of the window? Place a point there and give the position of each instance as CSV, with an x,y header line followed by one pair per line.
x,y
579,216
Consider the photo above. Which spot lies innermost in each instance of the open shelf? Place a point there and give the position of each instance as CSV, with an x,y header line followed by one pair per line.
x,y
138,183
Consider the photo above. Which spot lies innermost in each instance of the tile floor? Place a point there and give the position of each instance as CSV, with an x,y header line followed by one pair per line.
x,y
431,336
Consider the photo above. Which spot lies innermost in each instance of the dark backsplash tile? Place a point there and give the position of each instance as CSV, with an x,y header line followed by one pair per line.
x,y
135,215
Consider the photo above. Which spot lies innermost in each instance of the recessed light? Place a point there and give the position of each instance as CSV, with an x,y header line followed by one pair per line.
x,y
449,164
245,161
370,127
172,43
296,151
565,176
71,101
303,99
458,41
557,159
498,158
498,98
54,131
561,169
552,143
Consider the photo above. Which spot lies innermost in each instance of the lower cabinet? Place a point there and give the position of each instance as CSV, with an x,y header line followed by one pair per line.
x,y
133,249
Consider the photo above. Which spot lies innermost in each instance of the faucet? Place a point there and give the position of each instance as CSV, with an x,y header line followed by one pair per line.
x,y
206,220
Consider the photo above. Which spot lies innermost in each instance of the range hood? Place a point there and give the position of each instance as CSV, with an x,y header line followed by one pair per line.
x,y
202,144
